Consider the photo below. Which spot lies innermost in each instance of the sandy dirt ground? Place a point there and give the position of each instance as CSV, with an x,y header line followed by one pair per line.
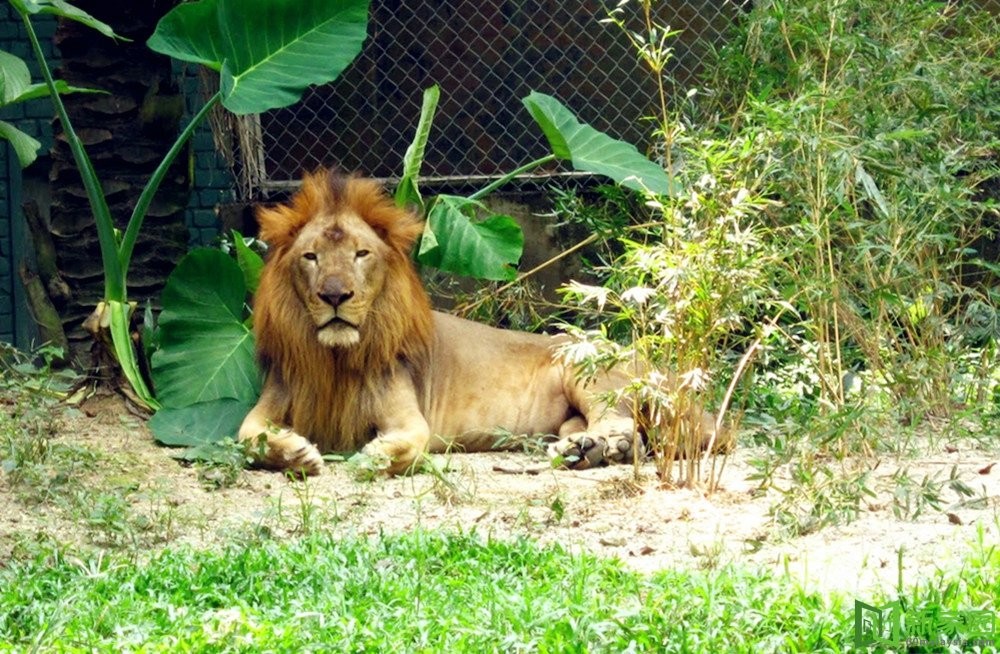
x,y
602,511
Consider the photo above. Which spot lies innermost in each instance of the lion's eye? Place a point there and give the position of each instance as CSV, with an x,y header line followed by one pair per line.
x,y
309,256
362,253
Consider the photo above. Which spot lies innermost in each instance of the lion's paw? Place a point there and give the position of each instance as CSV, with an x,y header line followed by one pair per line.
x,y
289,451
392,454
587,450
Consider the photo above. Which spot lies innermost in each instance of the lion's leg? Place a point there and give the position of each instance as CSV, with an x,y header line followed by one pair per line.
x,y
273,445
601,434
574,425
403,432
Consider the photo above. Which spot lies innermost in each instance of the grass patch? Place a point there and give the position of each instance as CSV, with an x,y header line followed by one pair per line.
x,y
420,592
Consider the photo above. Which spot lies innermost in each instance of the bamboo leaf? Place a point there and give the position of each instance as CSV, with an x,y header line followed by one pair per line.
x,y
871,189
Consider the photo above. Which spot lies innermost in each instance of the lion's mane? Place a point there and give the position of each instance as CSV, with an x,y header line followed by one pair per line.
x,y
331,388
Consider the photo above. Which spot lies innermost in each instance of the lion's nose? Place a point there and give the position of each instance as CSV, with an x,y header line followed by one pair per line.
x,y
334,293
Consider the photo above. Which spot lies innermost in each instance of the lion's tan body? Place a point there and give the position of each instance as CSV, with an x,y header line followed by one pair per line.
x,y
482,378
355,358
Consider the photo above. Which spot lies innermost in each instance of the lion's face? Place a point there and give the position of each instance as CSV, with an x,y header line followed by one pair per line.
x,y
339,267
339,276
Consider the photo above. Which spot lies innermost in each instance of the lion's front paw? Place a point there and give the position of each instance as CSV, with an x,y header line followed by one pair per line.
x,y
586,450
393,454
289,451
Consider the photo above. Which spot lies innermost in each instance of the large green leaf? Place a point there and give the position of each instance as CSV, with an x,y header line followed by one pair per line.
x,y
25,146
16,86
249,261
595,152
455,241
205,422
206,351
267,52
407,192
63,9
14,76
33,91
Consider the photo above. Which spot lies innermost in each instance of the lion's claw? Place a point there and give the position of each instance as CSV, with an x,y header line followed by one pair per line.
x,y
294,453
621,450
307,461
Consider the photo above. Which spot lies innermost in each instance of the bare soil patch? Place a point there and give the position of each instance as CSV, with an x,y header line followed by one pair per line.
x,y
603,511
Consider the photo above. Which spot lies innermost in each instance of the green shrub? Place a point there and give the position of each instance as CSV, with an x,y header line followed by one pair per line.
x,y
883,121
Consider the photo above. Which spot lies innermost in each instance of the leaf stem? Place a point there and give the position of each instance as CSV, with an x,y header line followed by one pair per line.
x,y
489,188
114,273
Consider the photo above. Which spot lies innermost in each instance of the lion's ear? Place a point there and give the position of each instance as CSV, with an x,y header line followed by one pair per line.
x,y
404,231
276,227
280,224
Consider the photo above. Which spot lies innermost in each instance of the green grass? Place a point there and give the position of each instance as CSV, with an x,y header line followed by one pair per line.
x,y
421,592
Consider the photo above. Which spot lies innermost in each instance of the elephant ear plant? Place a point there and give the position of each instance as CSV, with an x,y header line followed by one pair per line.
x,y
457,240
267,53
16,87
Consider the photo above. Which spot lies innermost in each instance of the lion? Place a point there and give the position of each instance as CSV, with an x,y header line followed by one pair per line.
x,y
355,358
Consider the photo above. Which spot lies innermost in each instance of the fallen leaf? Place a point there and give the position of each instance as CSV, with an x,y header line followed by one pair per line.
x,y
987,469
954,519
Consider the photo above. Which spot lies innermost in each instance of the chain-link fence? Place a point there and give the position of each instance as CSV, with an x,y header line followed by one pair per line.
x,y
485,55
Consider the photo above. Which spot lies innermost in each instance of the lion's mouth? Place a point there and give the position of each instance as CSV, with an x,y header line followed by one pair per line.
x,y
337,332
337,322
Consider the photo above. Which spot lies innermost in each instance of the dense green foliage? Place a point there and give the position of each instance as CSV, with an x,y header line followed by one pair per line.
x,y
829,262
289,51
881,124
266,53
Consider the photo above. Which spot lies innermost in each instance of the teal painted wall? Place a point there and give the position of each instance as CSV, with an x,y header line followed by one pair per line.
x,y
34,118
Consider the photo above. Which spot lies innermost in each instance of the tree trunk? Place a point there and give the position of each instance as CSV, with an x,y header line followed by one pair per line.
x,y
44,288
126,132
